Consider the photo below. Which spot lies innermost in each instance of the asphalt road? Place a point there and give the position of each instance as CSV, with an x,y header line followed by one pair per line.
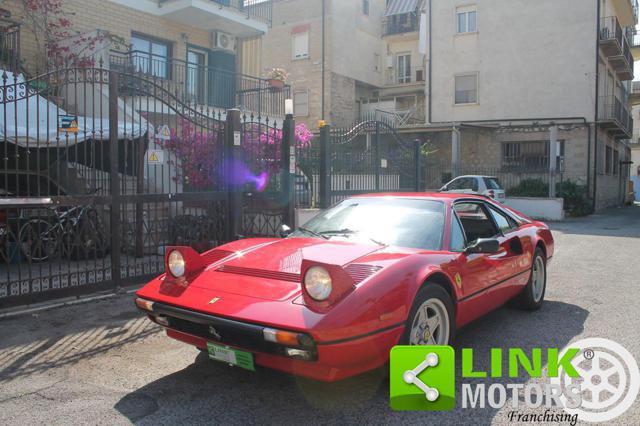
x,y
102,363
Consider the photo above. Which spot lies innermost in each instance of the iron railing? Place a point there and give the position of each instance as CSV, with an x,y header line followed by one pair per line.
x,y
204,85
9,45
261,10
612,110
616,44
414,74
400,24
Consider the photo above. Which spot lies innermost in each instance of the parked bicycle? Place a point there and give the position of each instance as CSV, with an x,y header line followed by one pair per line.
x,y
76,233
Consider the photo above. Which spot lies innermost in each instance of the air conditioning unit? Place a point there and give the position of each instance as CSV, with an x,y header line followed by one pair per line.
x,y
223,41
389,61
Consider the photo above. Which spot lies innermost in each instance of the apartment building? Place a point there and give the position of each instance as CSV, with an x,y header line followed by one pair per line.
x,y
194,47
371,62
504,86
484,89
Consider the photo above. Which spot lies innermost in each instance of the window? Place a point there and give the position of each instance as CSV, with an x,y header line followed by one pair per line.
x,y
301,103
616,161
466,18
475,221
150,56
365,7
529,155
608,160
300,43
466,89
504,223
463,184
196,72
457,242
404,68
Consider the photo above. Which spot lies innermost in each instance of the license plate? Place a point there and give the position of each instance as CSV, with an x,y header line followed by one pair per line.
x,y
231,356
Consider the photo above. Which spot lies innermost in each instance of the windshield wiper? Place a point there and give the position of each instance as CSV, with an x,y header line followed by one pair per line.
x,y
347,231
314,233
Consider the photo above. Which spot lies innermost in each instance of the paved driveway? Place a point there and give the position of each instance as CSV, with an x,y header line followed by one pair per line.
x,y
101,362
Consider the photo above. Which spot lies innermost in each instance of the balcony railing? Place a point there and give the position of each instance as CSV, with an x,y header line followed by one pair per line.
x,y
261,10
615,44
400,24
412,75
10,45
613,114
205,86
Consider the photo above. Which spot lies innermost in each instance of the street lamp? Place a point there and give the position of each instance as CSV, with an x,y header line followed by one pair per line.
x,y
288,108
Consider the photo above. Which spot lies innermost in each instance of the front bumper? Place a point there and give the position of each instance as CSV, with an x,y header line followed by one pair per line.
x,y
329,361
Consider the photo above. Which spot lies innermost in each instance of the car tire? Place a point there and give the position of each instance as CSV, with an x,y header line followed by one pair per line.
x,y
532,297
431,295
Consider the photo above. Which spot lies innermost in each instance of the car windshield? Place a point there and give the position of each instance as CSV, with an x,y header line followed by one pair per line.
x,y
404,222
492,183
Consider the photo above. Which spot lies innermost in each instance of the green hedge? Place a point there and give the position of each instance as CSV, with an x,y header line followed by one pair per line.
x,y
576,201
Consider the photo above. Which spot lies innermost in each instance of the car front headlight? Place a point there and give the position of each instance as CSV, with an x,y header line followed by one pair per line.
x,y
317,282
176,264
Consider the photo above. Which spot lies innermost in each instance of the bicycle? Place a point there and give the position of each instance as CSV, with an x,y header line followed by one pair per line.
x,y
77,233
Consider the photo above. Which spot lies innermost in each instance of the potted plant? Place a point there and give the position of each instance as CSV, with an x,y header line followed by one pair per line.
x,y
276,78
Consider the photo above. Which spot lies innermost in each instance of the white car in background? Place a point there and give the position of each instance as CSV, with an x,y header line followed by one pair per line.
x,y
475,184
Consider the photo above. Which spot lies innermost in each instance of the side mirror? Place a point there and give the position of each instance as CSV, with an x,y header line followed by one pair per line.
x,y
284,231
444,188
483,245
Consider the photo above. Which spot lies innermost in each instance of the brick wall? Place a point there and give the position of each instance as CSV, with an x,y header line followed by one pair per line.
x,y
304,74
89,15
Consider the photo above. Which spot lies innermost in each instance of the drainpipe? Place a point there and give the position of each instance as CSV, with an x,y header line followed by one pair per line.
x,y
430,94
595,121
324,18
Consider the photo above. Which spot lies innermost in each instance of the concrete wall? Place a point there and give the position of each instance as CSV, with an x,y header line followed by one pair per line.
x,y
538,208
542,68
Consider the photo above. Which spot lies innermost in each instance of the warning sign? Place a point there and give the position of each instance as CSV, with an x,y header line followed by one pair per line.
x,y
68,124
155,156
163,133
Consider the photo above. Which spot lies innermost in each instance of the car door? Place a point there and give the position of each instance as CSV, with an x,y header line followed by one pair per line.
x,y
479,273
516,254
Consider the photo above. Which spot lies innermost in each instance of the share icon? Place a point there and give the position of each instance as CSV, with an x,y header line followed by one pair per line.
x,y
411,376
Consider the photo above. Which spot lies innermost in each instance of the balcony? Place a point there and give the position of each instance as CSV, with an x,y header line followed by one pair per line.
x,y
203,86
413,75
615,45
634,94
634,42
615,117
241,18
400,24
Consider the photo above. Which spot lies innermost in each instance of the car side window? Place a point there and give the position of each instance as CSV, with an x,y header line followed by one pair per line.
x,y
457,241
454,184
504,224
475,221
473,184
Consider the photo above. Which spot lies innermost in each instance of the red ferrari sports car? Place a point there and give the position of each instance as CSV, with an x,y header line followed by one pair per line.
x,y
331,299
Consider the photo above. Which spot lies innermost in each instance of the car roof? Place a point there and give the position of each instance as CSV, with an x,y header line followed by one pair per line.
x,y
442,196
475,176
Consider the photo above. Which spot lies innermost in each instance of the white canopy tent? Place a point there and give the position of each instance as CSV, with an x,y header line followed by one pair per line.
x,y
31,121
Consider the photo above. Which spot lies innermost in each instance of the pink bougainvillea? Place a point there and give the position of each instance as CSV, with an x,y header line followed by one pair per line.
x,y
198,152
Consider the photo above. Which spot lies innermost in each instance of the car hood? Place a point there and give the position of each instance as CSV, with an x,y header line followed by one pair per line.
x,y
271,270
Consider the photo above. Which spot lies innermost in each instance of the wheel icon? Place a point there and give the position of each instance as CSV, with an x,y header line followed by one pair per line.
x,y
609,379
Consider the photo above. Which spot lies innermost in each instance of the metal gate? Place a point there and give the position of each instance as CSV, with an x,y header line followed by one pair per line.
x,y
101,170
369,157
267,201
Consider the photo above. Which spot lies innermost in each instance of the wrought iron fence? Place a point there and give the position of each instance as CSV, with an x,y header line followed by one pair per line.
x,y
96,185
201,85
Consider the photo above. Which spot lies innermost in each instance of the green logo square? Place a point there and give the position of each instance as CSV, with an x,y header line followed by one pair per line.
x,y
422,378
